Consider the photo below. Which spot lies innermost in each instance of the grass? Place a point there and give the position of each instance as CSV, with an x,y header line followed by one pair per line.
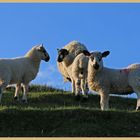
x,y
58,114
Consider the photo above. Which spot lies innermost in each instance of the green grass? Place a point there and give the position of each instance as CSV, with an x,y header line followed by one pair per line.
x,y
57,113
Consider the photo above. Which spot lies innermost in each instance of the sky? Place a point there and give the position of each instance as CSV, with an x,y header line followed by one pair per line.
x,y
100,26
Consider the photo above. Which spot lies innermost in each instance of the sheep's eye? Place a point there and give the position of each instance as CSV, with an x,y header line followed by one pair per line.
x,y
44,51
61,56
100,59
92,58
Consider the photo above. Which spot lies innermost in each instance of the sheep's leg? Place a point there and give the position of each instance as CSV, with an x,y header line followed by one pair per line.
x,y
137,91
77,89
104,101
73,86
138,100
138,103
83,87
87,89
77,85
0,94
25,90
135,84
18,87
2,87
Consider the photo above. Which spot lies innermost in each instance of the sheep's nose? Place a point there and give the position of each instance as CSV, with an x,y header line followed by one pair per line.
x,y
59,59
47,58
96,66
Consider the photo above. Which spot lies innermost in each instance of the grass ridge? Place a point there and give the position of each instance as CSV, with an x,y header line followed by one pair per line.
x,y
58,114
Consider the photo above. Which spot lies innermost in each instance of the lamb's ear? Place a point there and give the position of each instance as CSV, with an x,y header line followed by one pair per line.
x,y
86,53
105,54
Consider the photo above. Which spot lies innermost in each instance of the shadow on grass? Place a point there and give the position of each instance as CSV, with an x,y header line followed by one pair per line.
x,y
69,123
54,115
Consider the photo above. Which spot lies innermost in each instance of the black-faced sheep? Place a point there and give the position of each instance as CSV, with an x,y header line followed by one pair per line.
x,y
74,48
77,71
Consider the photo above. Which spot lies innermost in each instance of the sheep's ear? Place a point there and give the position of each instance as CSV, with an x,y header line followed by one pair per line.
x,y
58,49
105,54
66,51
40,47
86,53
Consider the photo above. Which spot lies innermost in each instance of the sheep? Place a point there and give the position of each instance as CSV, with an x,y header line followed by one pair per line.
x,y
77,71
107,81
74,48
21,70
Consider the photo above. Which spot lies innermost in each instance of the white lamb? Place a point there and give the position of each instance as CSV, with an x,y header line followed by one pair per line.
x,y
74,48
107,81
77,71
21,70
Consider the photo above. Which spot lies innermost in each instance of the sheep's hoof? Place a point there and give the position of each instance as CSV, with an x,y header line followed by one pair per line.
x,y
73,93
138,108
77,97
15,98
24,101
84,98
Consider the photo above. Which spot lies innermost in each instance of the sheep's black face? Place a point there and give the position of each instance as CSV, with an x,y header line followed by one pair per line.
x,y
44,55
62,54
47,57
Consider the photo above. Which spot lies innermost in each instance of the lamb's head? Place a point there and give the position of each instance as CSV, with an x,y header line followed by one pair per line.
x,y
43,54
95,59
62,54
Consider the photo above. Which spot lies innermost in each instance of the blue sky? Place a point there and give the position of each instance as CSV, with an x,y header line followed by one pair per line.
x,y
104,26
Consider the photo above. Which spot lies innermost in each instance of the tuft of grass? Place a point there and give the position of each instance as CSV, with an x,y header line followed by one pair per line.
x,y
58,114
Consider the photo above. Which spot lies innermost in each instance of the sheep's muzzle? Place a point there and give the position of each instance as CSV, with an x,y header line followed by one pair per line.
x,y
47,59
96,66
62,54
59,59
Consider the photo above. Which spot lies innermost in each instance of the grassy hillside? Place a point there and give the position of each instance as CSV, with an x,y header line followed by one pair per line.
x,y
57,113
